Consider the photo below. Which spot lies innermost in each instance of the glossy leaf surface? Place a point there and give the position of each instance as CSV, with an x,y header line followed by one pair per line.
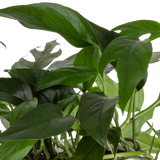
x,y
140,27
95,114
15,150
103,35
67,76
87,149
14,91
22,110
4,109
133,57
88,56
113,135
42,122
54,17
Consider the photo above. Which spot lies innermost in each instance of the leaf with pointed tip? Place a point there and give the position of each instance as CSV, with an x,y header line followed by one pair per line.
x,y
14,91
132,57
54,17
3,44
67,76
95,114
113,135
88,149
42,122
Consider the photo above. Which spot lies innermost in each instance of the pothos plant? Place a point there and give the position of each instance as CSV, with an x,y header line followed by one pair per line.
x,y
39,103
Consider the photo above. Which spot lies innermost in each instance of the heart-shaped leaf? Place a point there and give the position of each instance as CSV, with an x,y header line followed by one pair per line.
x,y
42,122
95,114
132,57
54,17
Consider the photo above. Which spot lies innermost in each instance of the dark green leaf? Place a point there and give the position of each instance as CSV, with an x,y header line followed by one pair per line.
x,y
113,135
4,109
155,57
88,149
88,56
133,57
31,76
14,91
54,17
22,110
39,57
67,76
42,122
103,35
95,114
140,27
15,150
54,94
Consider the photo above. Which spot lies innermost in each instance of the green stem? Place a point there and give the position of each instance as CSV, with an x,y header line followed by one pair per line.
x,y
125,154
150,150
40,150
116,117
66,145
133,124
73,144
155,104
57,142
60,155
77,138
129,113
46,152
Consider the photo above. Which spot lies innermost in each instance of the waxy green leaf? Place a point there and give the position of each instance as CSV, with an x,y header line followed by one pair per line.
x,y
88,149
95,114
103,35
139,28
19,148
15,150
67,76
4,109
42,58
42,122
22,110
88,56
54,17
155,57
14,91
132,57
113,135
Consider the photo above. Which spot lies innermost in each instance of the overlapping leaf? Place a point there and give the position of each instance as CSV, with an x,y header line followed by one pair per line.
x,y
140,27
88,149
42,58
16,150
4,109
54,17
42,122
14,91
132,57
95,114
67,76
